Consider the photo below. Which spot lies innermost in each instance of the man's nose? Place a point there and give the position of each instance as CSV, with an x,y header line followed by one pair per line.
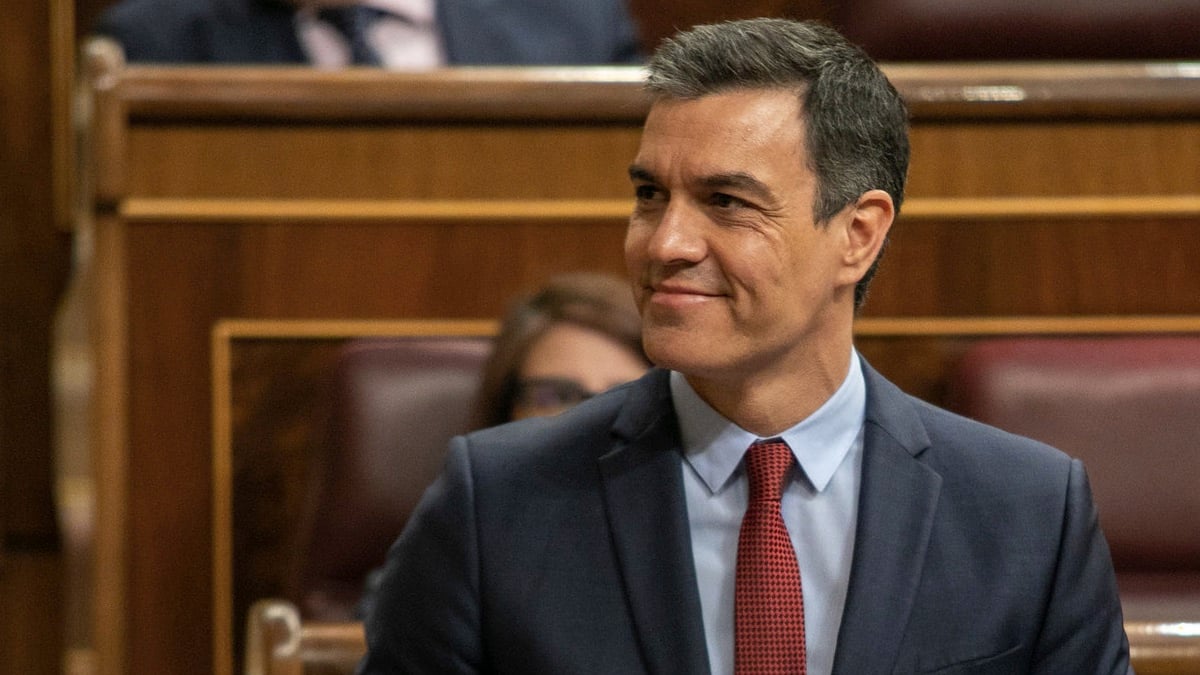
x,y
679,235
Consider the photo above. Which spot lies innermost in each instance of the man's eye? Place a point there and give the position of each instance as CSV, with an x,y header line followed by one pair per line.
x,y
724,201
646,192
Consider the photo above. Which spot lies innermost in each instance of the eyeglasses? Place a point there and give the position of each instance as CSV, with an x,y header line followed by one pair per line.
x,y
549,394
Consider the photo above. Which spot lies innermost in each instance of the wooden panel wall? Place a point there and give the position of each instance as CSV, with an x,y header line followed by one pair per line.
x,y
33,268
27,230
1049,192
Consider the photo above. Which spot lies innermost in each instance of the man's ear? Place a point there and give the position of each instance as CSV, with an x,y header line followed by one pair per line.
x,y
867,224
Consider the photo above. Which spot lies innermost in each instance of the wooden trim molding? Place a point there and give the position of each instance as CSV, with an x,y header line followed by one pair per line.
x,y
876,327
1164,648
103,173
1047,208
107,274
227,330
614,93
278,639
142,209
63,90
222,540
1092,89
577,93
325,210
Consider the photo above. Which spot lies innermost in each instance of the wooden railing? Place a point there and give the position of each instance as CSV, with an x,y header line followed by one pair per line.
x,y
280,643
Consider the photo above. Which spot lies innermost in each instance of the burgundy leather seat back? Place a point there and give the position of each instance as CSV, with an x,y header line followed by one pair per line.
x,y
990,30
1129,407
396,403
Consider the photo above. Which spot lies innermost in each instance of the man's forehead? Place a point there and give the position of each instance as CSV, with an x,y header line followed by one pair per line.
x,y
722,131
742,116
738,96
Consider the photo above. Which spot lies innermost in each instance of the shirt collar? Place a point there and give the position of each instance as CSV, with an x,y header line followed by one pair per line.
x,y
714,446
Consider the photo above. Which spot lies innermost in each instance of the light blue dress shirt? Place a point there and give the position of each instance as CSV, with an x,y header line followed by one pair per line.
x,y
820,507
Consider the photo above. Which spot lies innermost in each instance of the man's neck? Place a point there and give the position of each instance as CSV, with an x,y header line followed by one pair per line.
x,y
772,400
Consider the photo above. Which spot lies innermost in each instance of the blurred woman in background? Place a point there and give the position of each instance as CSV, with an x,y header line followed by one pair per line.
x,y
577,336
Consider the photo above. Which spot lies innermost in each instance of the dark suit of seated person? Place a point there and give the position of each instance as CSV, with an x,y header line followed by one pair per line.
x,y
408,34
764,497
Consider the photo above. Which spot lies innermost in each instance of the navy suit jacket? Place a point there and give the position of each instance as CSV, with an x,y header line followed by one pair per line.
x,y
562,546
474,32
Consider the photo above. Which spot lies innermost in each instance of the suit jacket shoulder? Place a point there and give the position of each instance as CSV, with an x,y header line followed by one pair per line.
x,y
203,31
549,545
539,32
976,549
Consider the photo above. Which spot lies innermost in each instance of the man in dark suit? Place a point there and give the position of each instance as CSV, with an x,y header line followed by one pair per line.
x,y
468,32
611,539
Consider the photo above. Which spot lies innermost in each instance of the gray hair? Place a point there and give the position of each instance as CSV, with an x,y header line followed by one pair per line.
x,y
856,125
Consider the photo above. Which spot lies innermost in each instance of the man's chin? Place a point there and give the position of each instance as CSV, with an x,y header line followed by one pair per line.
x,y
676,349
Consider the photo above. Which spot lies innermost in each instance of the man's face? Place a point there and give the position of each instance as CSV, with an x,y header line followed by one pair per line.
x,y
731,274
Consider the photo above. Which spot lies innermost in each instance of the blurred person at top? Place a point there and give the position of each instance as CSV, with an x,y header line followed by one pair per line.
x,y
394,34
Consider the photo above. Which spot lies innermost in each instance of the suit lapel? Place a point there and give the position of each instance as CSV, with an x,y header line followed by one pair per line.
x,y
896,508
647,516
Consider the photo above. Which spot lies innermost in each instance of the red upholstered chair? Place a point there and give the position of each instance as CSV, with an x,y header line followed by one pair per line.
x,y
1129,407
994,30
396,403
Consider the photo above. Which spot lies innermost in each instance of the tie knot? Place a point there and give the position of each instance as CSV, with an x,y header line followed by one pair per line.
x,y
766,464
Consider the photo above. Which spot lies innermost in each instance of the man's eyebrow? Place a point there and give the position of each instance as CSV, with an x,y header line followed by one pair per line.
x,y
641,174
739,181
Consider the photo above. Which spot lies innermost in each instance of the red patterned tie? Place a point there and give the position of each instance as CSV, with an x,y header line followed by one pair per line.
x,y
769,606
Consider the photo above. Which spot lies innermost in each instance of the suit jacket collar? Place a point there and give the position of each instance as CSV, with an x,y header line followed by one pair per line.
x,y
647,514
895,518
